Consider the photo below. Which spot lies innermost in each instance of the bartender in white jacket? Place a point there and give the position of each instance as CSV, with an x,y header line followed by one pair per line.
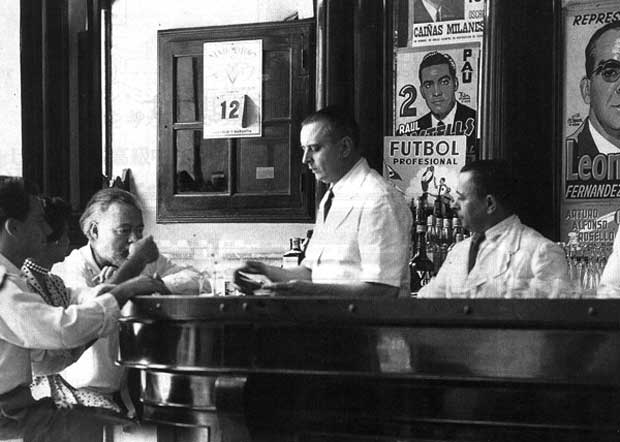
x,y
503,258
361,236
609,286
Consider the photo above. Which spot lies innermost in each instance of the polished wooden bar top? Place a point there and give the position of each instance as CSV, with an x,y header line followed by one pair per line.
x,y
436,368
373,310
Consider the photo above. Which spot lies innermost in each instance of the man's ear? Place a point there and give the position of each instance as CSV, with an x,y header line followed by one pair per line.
x,y
456,83
491,204
11,226
347,147
584,87
93,231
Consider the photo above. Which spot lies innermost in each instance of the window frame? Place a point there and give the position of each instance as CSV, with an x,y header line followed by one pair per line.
x,y
295,206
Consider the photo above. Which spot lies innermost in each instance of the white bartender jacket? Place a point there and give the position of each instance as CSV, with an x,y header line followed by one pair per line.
x,y
513,261
365,237
609,285
96,368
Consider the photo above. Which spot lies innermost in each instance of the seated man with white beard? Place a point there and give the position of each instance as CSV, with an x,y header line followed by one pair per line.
x,y
112,222
31,329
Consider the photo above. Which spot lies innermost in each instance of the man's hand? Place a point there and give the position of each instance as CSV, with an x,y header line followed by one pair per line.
x,y
144,249
141,253
244,281
140,285
105,274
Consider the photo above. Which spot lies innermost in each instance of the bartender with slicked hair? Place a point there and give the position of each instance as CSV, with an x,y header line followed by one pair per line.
x,y
360,243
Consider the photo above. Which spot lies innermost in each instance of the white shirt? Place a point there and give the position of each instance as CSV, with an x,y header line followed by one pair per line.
x,y
29,325
365,237
432,10
602,144
609,285
96,368
513,261
449,119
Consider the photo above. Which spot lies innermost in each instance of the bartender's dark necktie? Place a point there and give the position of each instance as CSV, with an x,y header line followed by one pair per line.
x,y
476,240
328,204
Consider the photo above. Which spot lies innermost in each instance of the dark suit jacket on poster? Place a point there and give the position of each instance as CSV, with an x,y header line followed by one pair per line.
x,y
583,142
448,12
463,112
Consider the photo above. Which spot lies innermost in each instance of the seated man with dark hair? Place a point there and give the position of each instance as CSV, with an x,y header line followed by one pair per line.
x,y
29,325
35,270
502,258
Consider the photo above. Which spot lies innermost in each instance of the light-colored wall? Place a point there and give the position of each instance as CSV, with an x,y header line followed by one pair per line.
x,y
10,90
134,112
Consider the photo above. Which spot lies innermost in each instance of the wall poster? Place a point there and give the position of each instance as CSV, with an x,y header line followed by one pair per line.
x,y
436,91
440,99
437,22
590,205
424,166
233,76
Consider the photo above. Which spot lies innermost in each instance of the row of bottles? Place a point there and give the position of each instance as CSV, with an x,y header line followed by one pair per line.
x,y
297,251
586,263
434,233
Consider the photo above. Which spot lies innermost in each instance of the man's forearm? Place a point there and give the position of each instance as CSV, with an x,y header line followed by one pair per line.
x,y
129,269
349,290
277,274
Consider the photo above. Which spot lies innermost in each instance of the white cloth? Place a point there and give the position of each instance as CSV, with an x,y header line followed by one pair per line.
x,y
365,237
96,367
513,261
609,285
27,322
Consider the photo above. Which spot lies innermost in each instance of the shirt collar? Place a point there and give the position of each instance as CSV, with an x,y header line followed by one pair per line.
x,y
8,265
602,144
430,8
449,119
349,179
89,257
499,228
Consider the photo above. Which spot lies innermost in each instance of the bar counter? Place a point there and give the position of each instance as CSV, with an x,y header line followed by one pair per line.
x,y
330,369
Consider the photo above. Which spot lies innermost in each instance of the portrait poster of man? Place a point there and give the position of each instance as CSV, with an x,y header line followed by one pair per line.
x,y
591,123
437,92
441,22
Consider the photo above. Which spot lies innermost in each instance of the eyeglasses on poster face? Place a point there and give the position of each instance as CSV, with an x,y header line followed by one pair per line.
x,y
609,70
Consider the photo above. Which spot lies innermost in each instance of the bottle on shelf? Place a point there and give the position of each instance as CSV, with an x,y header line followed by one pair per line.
x,y
430,236
445,237
420,210
457,230
293,256
421,267
438,208
413,206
